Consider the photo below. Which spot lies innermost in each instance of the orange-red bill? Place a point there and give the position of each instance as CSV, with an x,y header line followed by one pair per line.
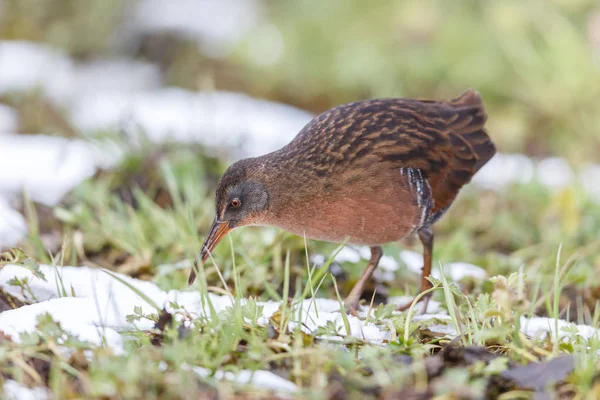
x,y
217,232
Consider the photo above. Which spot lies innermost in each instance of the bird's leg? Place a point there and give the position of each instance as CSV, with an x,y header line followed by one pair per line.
x,y
426,237
351,302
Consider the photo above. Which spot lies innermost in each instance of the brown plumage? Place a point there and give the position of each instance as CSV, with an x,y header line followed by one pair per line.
x,y
371,172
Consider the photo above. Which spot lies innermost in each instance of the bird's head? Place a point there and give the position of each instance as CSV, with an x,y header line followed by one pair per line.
x,y
242,199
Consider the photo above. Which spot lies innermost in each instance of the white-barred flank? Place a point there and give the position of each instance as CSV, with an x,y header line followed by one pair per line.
x,y
420,186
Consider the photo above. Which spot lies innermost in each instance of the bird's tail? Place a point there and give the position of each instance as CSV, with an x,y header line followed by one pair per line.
x,y
470,125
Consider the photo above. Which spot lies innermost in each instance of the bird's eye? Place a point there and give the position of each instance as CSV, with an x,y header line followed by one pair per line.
x,y
235,203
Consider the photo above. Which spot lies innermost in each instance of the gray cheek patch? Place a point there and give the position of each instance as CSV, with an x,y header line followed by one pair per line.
x,y
419,185
256,193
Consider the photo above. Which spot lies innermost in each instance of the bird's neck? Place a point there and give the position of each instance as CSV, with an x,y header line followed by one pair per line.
x,y
291,189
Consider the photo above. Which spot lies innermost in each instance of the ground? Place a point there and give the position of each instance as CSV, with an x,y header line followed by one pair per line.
x,y
140,220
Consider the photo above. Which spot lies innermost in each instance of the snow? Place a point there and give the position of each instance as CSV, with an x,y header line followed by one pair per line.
x,y
113,298
260,379
9,119
590,178
503,170
318,312
26,66
401,301
445,328
14,390
100,304
12,224
109,94
388,263
347,254
97,312
455,271
412,260
114,76
215,119
46,167
554,172
541,326
100,300
78,316
215,25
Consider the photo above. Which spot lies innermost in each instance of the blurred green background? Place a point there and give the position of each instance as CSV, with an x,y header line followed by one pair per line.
x,y
536,63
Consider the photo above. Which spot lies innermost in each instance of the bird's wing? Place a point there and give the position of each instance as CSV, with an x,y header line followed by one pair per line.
x,y
445,141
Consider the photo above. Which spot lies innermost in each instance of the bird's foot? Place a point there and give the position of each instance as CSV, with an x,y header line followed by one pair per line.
x,y
350,307
352,311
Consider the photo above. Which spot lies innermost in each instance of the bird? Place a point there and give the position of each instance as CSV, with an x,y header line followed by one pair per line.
x,y
366,173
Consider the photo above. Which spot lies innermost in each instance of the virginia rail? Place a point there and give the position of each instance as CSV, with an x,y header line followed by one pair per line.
x,y
369,172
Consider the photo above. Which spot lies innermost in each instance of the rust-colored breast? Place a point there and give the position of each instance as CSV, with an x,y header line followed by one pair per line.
x,y
369,207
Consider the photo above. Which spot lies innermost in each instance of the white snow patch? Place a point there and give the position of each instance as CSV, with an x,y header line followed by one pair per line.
x,y
554,172
541,326
355,254
388,263
329,310
412,260
114,76
14,390
348,254
78,316
505,169
218,119
114,299
9,119
46,167
590,179
444,325
216,25
318,259
432,307
99,311
12,225
103,301
260,379
454,270
459,270
25,66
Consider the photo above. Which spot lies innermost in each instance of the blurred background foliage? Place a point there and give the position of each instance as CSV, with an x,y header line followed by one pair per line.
x,y
537,63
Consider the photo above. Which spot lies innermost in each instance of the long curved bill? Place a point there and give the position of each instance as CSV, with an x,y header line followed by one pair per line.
x,y
217,232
